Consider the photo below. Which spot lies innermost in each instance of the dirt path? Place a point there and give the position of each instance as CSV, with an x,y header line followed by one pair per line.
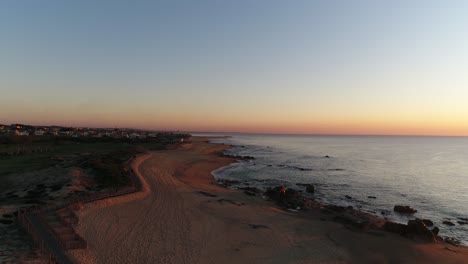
x,y
173,222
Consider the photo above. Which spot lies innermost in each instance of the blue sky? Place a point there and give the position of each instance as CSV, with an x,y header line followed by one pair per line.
x,y
397,67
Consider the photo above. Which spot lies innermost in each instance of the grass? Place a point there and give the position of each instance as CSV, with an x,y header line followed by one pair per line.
x,y
105,159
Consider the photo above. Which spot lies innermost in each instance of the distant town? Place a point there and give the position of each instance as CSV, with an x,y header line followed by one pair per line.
x,y
74,132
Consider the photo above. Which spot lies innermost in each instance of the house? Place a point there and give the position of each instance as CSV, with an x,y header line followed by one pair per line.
x,y
39,133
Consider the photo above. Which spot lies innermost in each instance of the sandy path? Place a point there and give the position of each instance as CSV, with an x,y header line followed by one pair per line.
x,y
172,222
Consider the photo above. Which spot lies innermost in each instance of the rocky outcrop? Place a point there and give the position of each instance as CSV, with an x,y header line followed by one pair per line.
x,y
404,209
414,229
417,228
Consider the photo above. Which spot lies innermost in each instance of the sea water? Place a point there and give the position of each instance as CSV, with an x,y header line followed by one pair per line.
x,y
429,174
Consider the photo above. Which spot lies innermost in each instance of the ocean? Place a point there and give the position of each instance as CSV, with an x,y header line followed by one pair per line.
x,y
429,174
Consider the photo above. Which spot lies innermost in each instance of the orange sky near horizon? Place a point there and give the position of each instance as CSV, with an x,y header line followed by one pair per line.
x,y
307,67
429,124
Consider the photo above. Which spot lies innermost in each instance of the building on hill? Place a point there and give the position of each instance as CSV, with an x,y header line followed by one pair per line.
x,y
39,132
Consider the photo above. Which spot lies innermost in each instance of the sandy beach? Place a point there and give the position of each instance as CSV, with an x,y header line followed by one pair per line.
x,y
182,216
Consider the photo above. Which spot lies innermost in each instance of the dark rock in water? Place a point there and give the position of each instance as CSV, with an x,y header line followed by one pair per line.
x,y
452,241
462,223
309,187
404,209
348,197
292,193
327,156
371,197
291,198
273,193
427,222
349,207
463,219
448,223
435,230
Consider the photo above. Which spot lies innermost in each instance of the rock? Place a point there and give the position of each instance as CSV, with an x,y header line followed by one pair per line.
x,y
462,223
448,223
227,183
395,227
414,229
427,222
418,228
463,219
291,193
348,197
452,241
327,156
249,193
371,197
435,230
291,198
308,187
404,209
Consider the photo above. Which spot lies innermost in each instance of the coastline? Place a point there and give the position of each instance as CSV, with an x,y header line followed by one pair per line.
x,y
187,217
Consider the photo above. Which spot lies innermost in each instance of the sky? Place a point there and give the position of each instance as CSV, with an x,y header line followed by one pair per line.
x,y
307,67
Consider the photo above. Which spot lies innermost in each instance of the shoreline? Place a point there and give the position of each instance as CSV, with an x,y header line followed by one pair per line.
x,y
226,225
398,225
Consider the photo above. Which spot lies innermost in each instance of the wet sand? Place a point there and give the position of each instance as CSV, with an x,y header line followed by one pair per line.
x,y
183,217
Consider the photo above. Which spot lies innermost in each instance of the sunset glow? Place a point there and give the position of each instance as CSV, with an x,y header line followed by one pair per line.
x,y
315,67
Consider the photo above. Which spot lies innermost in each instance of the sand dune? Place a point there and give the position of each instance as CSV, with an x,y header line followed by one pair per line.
x,y
172,222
